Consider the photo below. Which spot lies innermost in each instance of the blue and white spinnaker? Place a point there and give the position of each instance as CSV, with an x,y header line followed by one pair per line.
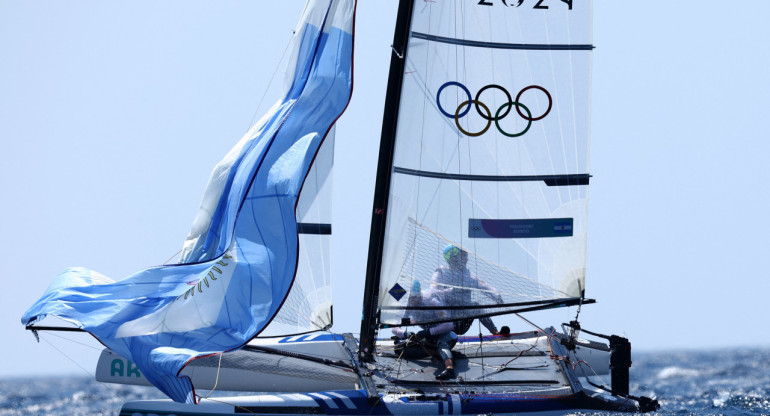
x,y
240,259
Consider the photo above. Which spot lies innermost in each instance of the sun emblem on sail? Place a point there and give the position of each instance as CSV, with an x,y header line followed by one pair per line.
x,y
214,272
188,312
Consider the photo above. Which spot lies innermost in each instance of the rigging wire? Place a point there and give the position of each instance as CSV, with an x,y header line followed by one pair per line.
x,y
67,356
280,62
535,325
74,342
481,349
104,386
172,257
521,353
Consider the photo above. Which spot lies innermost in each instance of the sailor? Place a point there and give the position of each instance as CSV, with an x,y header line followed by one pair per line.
x,y
453,285
439,334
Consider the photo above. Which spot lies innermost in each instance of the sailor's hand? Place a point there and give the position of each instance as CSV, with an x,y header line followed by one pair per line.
x,y
424,336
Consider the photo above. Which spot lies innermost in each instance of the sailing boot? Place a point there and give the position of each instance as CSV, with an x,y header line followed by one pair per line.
x,y
447,374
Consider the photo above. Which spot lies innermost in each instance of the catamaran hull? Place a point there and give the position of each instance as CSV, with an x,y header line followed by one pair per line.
x,y
254,369
355,402
527,381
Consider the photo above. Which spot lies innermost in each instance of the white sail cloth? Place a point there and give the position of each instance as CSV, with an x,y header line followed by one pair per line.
x,y
491,153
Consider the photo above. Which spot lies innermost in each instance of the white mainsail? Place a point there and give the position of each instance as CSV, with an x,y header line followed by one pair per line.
x,y
308,306
491,153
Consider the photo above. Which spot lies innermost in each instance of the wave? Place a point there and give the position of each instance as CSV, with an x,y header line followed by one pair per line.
x,y
677,372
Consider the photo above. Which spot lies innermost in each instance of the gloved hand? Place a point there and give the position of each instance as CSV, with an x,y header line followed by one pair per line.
x,y
400,335
424,336
397,331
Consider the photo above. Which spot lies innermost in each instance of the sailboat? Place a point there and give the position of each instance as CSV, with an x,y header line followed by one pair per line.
x,y
479,213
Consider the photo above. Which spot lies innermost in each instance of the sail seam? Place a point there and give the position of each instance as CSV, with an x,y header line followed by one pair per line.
x,y
499,45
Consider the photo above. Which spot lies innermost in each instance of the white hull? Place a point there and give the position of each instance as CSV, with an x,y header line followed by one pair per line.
x,y
251,370
254,370
518,375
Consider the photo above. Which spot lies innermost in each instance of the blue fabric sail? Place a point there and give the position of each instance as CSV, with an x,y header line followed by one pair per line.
x,y
240,260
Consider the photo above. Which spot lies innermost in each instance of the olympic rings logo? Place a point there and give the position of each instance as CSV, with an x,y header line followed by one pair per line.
x,y
464,107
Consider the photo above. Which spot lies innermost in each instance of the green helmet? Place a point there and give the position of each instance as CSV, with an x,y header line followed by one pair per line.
x,y
451,251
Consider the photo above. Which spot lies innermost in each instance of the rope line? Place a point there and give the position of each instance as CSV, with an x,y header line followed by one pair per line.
x,y
216,381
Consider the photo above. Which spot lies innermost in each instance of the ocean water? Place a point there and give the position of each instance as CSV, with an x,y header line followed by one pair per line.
x,y
720,382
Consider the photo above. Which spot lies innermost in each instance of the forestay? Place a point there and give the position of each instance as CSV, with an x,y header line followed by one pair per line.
x,y
248,254
490,156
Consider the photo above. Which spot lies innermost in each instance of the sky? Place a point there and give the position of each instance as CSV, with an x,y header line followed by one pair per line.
x,y
112,115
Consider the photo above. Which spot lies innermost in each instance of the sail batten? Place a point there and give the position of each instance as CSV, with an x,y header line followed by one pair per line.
x,y
310,228
549,302
551,180
499,45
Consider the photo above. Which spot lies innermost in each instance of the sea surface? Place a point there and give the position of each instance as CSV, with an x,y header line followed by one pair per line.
x,y
719,382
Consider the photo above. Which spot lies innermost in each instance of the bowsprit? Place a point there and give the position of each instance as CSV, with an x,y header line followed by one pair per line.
x,y
464,107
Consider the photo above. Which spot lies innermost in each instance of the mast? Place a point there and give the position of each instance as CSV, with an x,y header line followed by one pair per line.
x,y
382,184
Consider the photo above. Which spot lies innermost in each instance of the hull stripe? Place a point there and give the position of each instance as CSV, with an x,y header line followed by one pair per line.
x,y
345,400
327,400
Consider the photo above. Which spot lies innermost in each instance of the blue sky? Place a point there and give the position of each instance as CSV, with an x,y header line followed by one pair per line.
x,y
112,116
